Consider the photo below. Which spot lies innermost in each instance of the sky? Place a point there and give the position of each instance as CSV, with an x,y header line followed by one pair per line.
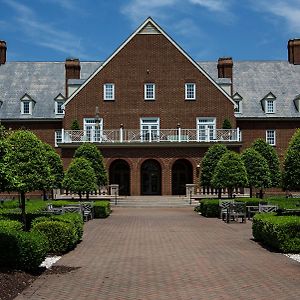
x,y
52,30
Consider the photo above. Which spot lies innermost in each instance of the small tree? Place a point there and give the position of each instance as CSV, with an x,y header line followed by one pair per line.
x,y
270,155
80,177
209,163
258,172
291,169
226,124
230,172
26,165
4,180
93,155
75,125
56,169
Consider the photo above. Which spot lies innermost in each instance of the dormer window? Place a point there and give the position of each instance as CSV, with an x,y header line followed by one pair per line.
x,y
1,102
27,104
237,98
296,102
269,104
59,102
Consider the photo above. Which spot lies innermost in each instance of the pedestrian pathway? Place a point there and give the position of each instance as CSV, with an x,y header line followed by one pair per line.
x,y
169,253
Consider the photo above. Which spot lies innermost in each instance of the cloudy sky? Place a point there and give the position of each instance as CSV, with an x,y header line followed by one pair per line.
x,y
51,30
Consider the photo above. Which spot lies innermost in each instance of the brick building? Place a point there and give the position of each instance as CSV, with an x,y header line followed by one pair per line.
x,y
151,109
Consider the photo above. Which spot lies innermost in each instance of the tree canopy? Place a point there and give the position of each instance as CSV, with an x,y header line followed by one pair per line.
x,y
93,155
291,169
230,172
270,155
257,168
209,162
80,177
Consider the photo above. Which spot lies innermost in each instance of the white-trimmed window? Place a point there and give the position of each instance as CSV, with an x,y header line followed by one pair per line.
x,y
238,108
59,107
58,137
190,91
271,137
206,129
270,106
109,91
93,130
149,91
26,107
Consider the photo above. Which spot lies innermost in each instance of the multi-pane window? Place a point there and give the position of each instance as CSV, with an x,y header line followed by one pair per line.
x,y
238,108
271,137
109,91
149,129
59,107
270,106
206,129
58,137
149,91
26,107
190,91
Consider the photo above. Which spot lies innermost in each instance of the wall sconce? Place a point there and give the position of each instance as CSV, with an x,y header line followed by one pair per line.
x,y
198,170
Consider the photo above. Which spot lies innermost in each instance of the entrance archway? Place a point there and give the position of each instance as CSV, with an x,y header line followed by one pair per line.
x,y
182,173
151,177
119,173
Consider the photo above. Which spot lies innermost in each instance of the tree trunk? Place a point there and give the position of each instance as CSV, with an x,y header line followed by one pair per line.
x,y
230,192
261,194
87,195
219,193
44,195
23,212
251,191
80,196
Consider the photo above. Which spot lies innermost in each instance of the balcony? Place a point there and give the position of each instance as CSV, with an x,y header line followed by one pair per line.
x,y
154,136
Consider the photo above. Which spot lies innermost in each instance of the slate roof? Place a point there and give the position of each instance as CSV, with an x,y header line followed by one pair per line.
x,y
253,80
42,81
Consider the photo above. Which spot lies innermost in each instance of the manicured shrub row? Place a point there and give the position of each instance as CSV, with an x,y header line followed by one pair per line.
x,y
63,231
210,208
19,249
101,209
278,232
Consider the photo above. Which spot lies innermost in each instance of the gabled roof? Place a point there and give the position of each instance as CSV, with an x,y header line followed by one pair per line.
x,y
149,26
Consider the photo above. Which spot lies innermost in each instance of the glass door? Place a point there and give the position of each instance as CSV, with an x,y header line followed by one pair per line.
x,y
92,130
206,129
149,129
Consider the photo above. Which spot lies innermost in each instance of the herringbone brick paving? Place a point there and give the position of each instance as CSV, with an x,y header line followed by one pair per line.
x,y
157,254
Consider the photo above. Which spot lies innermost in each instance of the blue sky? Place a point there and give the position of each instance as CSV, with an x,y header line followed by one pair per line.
x,y
51,30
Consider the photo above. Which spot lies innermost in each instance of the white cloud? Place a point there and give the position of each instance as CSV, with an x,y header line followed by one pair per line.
x,y
213,5
288,10
44,34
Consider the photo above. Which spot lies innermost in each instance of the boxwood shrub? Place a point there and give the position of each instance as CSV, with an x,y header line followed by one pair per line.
x,y
21,250
101,209
281,233
10,225
61,235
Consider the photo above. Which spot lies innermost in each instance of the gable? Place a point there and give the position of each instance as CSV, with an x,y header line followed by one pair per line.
x,y
150,27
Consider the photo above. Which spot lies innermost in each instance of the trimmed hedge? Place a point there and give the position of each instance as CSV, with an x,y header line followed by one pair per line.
x,y
21,250
61,235
10,225
278,232
101,209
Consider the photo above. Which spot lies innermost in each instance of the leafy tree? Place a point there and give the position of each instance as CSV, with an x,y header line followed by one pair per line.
x,y
270,154
56,168
4,180
226,124
230,172
257,168
26,165
75,125
80,177
209,163
291,169
92,154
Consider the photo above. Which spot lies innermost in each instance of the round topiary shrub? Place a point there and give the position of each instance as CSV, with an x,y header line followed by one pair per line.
x,y
60,235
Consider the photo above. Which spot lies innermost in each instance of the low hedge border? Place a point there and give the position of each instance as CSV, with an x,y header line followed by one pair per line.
x,y
281,233
101,209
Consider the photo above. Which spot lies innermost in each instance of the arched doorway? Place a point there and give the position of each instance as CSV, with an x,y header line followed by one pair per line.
x,y
151,177
119,173
182,173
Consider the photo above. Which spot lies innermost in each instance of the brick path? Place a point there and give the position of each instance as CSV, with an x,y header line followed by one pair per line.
x,y
169,254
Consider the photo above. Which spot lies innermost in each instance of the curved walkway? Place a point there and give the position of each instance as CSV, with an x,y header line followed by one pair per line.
x,y
169,254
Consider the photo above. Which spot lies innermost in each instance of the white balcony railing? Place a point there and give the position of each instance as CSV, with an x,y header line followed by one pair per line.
x,y
121,135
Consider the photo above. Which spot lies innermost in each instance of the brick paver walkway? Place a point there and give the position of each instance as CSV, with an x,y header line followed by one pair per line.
x,y
169,254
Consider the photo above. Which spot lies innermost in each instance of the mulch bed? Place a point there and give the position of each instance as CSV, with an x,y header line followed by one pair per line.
x,y
13,282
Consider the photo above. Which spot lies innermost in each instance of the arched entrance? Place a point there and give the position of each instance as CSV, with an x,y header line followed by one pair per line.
x,y
151,177
119,173
182,173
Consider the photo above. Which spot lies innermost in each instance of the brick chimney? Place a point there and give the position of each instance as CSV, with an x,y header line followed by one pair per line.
x,y
294,51
72,67
2,52
225,65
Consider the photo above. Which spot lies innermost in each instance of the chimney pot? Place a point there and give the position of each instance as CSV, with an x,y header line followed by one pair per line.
x,y
225,65
2,52
294,51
